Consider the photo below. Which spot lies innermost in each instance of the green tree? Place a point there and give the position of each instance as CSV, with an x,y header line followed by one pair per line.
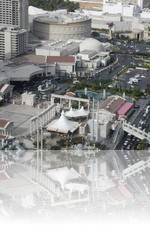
x,y
147,90
95,34
55,147
137,92
54,4
142,145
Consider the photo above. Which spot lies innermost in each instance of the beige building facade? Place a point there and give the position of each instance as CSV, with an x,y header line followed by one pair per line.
x,y
13,42
14,12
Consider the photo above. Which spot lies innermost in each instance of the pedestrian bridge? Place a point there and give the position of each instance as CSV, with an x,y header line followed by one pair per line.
x,y
136,168
136,131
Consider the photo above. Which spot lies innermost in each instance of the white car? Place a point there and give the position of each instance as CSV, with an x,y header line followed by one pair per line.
x,y
126,142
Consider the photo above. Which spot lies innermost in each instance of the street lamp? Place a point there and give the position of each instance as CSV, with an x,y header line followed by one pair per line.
x,y
39,148
110,26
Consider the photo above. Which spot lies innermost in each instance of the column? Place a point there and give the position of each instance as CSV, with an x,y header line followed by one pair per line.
x,y
34,125
53,112
70,194
52,100
30,127
88,105
48,115
60,102
79,104
42,118
69,103
97,126
79,194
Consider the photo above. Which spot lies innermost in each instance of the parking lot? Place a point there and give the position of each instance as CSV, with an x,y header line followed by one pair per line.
x,y
135,78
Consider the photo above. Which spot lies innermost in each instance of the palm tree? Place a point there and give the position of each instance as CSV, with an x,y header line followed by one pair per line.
x,y
143,143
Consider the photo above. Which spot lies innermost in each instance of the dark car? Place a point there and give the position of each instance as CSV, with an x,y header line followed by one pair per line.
x,y
137,106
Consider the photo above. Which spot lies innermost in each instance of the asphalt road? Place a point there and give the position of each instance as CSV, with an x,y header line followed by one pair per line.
x,y
108,73
136,119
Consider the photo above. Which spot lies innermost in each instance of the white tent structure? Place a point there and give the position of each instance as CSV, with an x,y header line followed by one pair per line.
x,y
82,112
71,113
62,125
77,113
77,187
63,175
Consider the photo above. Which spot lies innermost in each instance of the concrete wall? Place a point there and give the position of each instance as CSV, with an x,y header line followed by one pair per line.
x,y
49,31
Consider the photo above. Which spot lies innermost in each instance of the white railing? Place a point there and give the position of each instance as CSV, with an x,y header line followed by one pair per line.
x,y
136,131
132,170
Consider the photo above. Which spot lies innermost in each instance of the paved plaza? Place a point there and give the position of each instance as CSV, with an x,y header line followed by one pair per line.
x,y
20,115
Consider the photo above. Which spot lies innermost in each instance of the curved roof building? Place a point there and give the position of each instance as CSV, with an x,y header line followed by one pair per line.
x,y
22,73
63,25
91,44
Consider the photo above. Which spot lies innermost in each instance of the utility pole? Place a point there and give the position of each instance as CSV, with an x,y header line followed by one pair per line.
x,y
37,149
92,130
41,147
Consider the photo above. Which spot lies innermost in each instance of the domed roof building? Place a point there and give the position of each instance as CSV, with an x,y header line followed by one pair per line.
x,y
91,44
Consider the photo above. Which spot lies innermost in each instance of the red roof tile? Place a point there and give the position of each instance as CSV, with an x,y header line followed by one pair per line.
x,y
1,85
125,108
3,123
112,104
70,94
3,176
61,59
105,103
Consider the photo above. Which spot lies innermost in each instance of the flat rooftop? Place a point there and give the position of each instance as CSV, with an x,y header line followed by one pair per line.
x,y
37,59
19,184
64,18
20,115
20,73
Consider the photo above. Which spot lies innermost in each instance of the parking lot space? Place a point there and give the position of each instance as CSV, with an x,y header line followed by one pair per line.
x,y
135,78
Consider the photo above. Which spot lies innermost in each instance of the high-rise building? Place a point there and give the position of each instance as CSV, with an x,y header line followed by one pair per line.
x,y
146,3
14,12
141,3
13,42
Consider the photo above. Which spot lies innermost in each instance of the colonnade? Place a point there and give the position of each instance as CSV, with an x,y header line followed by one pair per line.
x,y
70,100
45,181
58,196
43,118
